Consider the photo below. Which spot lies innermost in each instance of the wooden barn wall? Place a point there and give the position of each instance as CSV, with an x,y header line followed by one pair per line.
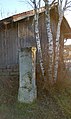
x,y
26,33
8,46
19,35
27,38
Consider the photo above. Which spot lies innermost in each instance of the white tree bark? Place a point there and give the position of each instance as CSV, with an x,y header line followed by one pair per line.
x,y
52,65
61,14
50,40
36,25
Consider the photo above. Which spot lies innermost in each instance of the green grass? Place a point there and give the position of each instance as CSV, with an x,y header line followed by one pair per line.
x,y
62,94
54,103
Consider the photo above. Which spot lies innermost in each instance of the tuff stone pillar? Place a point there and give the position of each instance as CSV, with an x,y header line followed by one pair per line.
x,y
27,84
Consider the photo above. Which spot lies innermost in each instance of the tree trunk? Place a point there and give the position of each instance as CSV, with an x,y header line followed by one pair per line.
x,y
61,61
50,41
36,25
57,43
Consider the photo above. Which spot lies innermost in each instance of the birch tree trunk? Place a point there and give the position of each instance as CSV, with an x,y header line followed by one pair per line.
x,y
54,56
36,25
50,40
57,42
62,7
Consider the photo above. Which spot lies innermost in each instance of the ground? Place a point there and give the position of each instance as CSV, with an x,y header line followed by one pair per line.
x,y
52,103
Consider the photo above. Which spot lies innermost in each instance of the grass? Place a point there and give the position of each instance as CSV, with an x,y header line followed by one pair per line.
x,y
53,103
62,94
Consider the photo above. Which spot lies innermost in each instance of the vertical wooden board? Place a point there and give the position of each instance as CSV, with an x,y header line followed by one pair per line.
x,y
11,46
3,49
1,55
26,33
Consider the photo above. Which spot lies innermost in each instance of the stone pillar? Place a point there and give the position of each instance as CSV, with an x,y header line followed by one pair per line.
x,y
27,85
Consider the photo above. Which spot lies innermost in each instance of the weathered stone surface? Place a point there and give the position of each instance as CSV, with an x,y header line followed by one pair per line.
x,y
27,85
26,95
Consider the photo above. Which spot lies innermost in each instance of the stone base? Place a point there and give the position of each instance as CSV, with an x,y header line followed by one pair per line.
x,y
27,96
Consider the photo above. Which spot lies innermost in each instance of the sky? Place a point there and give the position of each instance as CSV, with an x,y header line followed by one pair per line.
x,y
11,7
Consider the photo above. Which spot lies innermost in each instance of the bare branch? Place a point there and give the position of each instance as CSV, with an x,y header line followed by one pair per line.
x,y
53,2
65,3
30,4
69,2
67,8
68,5
31,1
27,2
38,4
